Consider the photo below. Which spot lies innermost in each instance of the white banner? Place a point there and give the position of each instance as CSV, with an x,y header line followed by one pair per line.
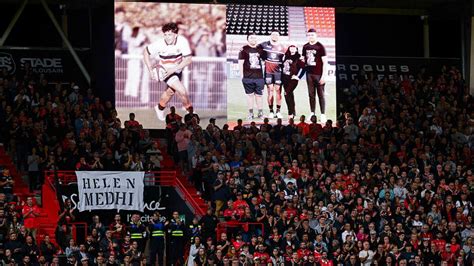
x,y
110,190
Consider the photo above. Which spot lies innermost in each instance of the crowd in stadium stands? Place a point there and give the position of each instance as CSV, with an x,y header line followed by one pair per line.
x,y
389,183
203,26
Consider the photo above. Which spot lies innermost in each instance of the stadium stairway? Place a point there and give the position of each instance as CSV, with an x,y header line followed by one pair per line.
x,y
49,212
296,25
169,164
47,223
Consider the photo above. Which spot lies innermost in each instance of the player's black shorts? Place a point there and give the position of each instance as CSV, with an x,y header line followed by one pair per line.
x,y
273,78
172,78
253,86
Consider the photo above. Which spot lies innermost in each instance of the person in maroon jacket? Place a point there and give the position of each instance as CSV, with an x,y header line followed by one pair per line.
x,y
315,60
292,68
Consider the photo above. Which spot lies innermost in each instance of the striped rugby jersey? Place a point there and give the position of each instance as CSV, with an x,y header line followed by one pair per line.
x,y
273,55
169,55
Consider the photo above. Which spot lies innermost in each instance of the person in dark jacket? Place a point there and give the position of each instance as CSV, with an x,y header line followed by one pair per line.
x,y
31,249
137,232
15,247
177,230
208,224
292,71
156,230
48,249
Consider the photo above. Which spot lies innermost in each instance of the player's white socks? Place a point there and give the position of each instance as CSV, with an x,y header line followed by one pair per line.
x,y
250,100
160,113
323,118
259,101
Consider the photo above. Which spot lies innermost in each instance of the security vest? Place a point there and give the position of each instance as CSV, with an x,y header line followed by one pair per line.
x,y
194,230
157,230
136,231
177,230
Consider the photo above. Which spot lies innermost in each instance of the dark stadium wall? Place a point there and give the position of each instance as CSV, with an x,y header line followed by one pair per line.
x,y
395,35
35,29
379,35
445,38
103,51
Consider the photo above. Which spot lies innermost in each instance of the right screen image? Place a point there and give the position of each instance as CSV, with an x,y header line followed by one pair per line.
x,y
282,62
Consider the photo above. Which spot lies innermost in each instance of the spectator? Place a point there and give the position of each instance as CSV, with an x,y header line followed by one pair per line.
x,y
74,95
31,250
15,246
351,130
82,165
68,214
190,116
96,163
30,212
155,157
173,120
8,258
98,225
72,248
221,192
33,170
132,124
47,249
6,184
201,257
197,253
135,163
208,223
182,138
118,228
63,234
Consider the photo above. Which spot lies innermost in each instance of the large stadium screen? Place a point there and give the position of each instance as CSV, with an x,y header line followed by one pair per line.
x,y
228,62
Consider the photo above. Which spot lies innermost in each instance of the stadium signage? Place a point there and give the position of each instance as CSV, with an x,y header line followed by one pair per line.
x,y
110,190
153,205
44,65
155,198
377,68
7,62
349,68
53,63
352,71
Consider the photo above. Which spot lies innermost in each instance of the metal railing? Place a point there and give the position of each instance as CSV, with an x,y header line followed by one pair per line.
x,y
76,226
224,226
152,178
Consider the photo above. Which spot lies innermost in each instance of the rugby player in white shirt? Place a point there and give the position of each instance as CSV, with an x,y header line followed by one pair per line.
x,y
173,54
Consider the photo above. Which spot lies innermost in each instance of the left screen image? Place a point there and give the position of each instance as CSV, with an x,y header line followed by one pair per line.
x,y
170,54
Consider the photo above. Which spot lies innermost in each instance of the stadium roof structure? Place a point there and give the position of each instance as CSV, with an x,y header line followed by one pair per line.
x,y
399,7
399,4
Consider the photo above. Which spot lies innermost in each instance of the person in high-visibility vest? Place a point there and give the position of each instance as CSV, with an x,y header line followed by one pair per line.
x,y
156,230
194,229
177,231
137,232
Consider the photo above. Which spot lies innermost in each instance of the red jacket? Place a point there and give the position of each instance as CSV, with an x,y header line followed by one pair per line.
x,y
303,253
264,257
